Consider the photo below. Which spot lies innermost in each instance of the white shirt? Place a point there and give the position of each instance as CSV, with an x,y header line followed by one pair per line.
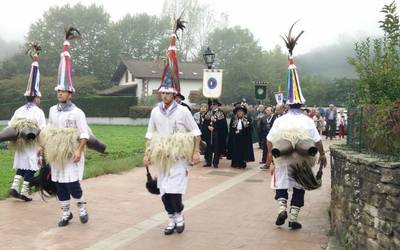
x,y
174,119
27,158
75,118
293,119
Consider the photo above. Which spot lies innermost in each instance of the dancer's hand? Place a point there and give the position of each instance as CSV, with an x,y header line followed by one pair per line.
x,y
77,156
146,161
322,160
196,157
271,168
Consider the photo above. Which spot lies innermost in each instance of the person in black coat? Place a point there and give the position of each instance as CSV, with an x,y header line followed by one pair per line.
x,y
240,146
215,131
265,126
179,98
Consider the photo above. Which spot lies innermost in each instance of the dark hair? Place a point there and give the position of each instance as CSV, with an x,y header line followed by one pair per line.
x,y
295,105
30,98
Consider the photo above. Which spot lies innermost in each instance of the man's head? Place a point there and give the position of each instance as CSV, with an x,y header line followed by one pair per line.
x,y
279,109
240,113
203,107
268,111
167,97
64,96
179,98
33,99
295,106
331,106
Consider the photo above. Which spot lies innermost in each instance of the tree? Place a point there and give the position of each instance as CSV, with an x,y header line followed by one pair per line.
x,y
200,22
239,54
377,62
142,36
87,53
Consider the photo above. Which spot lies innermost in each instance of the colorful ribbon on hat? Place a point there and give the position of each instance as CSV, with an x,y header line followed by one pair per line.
x,y
294,90
170,77
65,70
32,88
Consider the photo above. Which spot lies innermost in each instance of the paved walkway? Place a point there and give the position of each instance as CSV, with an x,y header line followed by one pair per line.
x,y
225,208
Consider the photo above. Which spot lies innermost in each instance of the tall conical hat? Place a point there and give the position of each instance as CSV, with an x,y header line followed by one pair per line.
x,y
294,93
33,86
64,78
170,78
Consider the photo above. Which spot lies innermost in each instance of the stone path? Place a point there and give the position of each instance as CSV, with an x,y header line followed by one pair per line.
x,y
225,208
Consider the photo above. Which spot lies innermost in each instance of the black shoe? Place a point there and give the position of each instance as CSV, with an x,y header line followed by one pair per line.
x,y
294,225
207,165
63,222
84,218
280,220
215,166
14,193
25,198
169,230
262,162
180,229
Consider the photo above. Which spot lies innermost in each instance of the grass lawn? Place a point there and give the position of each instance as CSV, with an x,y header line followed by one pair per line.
x,y
125,146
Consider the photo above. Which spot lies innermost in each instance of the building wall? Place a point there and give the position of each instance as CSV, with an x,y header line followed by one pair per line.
x,y
186,87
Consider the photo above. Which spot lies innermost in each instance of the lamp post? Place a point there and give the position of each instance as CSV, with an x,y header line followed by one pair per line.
x,y
209,57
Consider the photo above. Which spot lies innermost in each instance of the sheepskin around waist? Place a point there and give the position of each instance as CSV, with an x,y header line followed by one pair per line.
x,y
19,125
165,150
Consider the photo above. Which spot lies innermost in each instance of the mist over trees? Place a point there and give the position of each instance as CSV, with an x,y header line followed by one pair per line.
x,y
104,43
7,49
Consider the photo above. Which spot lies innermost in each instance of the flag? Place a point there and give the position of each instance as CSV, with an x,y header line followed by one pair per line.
x,y
212,83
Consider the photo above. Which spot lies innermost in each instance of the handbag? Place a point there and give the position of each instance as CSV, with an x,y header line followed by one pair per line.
x,y
151,183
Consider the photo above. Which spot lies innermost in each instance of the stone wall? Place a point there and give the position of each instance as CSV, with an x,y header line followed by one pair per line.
x,y
365,200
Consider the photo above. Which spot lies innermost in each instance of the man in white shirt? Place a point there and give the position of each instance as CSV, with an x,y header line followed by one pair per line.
x,y
66,115
27,159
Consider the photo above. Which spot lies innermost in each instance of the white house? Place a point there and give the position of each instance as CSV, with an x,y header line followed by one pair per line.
x,y
142,79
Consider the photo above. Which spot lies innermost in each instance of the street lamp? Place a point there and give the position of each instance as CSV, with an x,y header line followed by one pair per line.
x,y
209,57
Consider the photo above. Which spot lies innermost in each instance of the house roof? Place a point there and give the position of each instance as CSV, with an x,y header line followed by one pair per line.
x,y
119,90
153,70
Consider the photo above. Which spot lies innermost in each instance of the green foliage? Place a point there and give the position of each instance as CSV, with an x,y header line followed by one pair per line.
x,y
95,106
140,111
13,89
377,62
125,146
375,123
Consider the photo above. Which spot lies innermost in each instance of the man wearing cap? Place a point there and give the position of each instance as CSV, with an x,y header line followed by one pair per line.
x,y
240,146
168,120
179,98
27,158
66,114
215,129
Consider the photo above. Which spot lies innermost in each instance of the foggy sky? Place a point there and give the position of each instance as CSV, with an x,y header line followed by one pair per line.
x,y
324,22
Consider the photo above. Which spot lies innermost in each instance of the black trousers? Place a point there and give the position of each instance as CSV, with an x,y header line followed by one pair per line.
x,y
213,153
172,203
27,174
264,148
330,128
66,190
297,197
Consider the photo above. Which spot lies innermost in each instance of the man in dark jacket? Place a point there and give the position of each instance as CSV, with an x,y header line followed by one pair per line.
x,y
215,131
240,146
265,126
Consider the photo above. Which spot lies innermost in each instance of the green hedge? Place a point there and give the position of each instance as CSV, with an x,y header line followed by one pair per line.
x,y
95,106
140,112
